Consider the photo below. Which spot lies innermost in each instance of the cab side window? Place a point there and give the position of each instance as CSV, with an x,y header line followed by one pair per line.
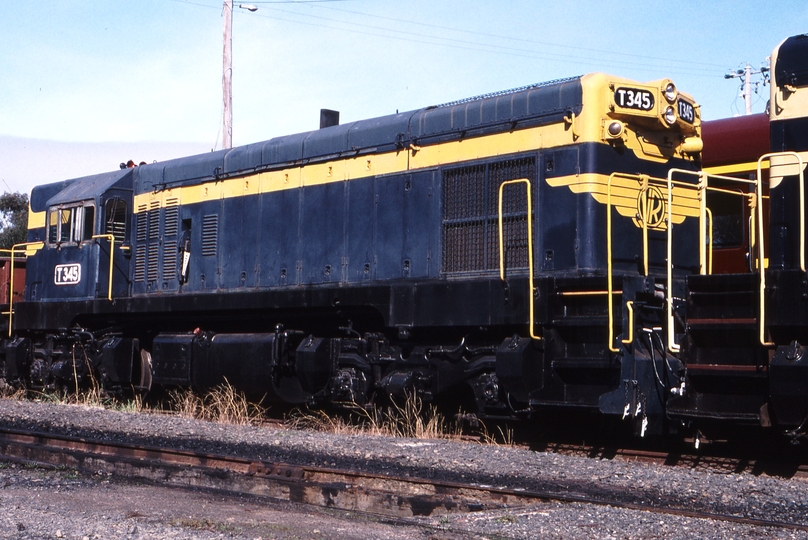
x,y
115,220
71,224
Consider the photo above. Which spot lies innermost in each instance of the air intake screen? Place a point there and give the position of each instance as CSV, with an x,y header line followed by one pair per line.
x,y
470,216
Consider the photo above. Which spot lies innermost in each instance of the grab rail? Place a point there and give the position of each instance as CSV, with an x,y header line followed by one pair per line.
x,y
609,280
761,252
11,278
705,259
529,246
111,238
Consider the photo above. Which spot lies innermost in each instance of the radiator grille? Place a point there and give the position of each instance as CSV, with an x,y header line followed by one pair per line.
x,y
470,216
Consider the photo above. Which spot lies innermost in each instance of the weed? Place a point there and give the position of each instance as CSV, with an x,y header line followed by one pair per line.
x,y
68,474
204,525
8,391
409,419
504,437
134,405
222,404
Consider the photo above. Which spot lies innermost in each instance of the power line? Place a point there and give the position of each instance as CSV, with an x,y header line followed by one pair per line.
x,y
479,47
407,36
524,40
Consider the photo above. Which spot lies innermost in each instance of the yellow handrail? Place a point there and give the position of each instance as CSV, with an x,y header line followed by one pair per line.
x,y
672,345
586,293
761,251
709,240
111,238
704,264
609,279
11,280
529,246
630,308
646,211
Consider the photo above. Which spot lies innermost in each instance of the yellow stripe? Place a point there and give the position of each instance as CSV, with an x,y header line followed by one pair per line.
x,y
736,168
588,127
365,166
36,220
625,192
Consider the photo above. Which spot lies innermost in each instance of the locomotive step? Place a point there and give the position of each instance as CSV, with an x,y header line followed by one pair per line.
x,y
736,370
721,323
584,363
580,320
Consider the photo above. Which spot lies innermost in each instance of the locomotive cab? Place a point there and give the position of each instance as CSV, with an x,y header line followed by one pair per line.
x,y
84,236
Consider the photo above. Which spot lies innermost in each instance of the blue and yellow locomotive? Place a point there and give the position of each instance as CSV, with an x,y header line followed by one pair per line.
x,y
518,251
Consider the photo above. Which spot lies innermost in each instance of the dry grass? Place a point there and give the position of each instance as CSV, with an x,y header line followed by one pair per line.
x,y
408,420
10,392
223,404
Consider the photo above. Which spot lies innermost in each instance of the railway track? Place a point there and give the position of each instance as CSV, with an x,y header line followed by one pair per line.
x,y
356,491
720,460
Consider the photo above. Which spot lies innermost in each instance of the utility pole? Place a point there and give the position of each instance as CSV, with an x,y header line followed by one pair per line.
x,y
746,74
227,76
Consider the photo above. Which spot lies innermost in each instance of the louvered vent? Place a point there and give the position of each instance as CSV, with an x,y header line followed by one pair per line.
x,y
140,264
142,223
170,260
142,218
172,217
210,234
154,261
154,220
470,216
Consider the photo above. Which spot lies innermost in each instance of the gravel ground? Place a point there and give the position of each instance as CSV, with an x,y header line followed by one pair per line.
x,y
49,502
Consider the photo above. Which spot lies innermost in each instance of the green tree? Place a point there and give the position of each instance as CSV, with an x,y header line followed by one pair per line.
x,y
13,219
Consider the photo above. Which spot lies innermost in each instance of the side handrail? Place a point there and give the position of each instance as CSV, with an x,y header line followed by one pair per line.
x,y
705,252
529,246
111,238
709,214
630,338
644,182
761,241
13,251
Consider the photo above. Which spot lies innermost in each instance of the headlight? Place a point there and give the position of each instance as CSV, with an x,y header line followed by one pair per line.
x,y
670,92
669,116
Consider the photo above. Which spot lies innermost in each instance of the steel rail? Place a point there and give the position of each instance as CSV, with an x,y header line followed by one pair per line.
x,y
341,489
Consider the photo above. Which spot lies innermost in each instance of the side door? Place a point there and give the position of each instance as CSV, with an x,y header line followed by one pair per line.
x,y
113,237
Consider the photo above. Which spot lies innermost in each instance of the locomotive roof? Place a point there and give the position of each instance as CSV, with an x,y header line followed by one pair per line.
x,y
528,106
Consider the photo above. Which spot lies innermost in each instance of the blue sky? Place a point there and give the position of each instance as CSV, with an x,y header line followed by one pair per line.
x,y
87,84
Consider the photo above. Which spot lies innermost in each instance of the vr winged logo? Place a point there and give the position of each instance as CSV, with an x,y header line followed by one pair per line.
x,y
652,207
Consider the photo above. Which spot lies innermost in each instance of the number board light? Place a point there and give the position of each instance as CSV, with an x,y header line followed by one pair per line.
x,y
687,111
634,98
67,274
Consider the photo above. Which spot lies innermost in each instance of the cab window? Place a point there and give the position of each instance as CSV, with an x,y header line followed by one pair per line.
x,y
115,220
71,224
